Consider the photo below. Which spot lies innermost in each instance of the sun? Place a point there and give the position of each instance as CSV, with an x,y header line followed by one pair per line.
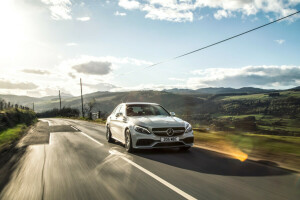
x,y
15,29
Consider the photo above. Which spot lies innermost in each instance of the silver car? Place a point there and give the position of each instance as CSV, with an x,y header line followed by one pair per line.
x,y
147,126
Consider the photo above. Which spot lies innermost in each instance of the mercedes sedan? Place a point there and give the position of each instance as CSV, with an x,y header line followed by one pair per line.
x,y
147,126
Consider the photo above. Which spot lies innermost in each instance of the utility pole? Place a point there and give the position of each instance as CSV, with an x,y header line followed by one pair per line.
x,y
81,98
33,106
59,100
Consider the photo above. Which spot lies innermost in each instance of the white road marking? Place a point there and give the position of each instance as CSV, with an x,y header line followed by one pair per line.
x,y
169,185
50,139
75,128
91,138
162,181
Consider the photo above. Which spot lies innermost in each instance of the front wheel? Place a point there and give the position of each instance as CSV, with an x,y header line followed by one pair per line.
x,y
128,142
108,135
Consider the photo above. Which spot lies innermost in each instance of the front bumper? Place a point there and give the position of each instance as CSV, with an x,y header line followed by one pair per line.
x,y
151,141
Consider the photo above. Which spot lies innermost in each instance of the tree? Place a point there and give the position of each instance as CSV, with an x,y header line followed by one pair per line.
x,y
89,106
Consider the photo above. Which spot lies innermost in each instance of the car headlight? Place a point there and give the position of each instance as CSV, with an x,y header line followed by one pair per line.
x,y
141,129
188,128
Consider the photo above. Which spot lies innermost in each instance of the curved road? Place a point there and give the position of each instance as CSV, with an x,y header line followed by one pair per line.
x,y
70,159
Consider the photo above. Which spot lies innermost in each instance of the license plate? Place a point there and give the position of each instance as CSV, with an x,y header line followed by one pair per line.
x,y
169,139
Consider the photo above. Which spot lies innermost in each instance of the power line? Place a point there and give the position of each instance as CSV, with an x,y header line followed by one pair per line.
x,y
205,47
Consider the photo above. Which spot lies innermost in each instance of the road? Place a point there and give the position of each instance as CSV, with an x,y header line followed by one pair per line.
x,y
70,159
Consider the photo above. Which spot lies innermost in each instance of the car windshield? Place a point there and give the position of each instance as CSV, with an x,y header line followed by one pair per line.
x,y
144,110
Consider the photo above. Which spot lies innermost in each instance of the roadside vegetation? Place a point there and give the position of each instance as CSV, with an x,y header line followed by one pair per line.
x,y
12,134
281,149
14,120
64,112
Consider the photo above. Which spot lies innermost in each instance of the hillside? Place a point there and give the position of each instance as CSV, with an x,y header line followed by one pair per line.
x,y
220,90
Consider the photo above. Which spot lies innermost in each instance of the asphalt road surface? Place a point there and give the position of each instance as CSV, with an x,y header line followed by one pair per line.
x,y
69,159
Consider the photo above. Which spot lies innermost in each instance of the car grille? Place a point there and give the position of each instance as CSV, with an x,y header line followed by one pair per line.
x,y
169,144
144,142
163,131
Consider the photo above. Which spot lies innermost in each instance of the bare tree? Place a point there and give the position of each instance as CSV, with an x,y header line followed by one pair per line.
x,y
88,107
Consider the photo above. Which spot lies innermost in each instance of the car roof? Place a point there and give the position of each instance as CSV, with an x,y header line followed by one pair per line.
x,y
139,103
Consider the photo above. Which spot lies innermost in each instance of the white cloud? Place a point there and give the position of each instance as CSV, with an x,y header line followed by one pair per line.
x,y
129,4
60,9
176,79
281,41
258,76
93,68
167,13
5,84
223,14
122,14
71,44
36,71
83,19
183,10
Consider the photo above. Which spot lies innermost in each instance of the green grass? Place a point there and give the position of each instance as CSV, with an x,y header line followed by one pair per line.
x,y
11,134
273,147
267,144
257,116
284,94
246,97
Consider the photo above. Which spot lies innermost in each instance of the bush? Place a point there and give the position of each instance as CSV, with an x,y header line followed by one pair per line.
x,y
11,117
64,112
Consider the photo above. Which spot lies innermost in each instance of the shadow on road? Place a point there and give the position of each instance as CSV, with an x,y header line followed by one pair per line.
x,y
204,161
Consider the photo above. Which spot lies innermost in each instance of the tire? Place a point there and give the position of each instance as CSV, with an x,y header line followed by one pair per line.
x,y
108,135
128,142
184,148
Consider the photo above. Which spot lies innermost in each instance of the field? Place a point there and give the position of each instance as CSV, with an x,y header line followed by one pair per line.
x,y
279,149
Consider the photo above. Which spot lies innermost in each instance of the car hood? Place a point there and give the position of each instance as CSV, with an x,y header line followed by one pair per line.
x,y
157,121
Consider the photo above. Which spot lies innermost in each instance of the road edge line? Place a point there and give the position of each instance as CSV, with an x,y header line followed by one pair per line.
x,y
162,181
91,138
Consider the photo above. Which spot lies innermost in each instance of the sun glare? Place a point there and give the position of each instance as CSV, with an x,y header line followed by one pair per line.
x,y
14,29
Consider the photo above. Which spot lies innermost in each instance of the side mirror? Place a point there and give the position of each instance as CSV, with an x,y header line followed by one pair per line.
x,y
119,114
172,114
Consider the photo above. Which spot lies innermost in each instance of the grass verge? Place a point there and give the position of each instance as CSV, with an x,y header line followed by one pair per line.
x,y
12,134
281,149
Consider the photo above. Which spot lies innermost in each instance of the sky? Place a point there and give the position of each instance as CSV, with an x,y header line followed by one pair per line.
x,y
48,45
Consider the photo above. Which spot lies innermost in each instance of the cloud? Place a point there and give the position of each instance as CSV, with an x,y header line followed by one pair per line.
x,y
17,85
167,13
72,75
129,4
176,79
223,14
280,41
35,71
72,44
258,76
94,68
60,9
184,10
83,19
101,86
122,14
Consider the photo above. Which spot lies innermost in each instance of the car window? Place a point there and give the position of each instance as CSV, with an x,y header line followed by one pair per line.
x,y
144,110
122,110
115,110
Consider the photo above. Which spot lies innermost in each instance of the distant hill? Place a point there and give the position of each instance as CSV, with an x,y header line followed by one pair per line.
x,y
296,88
219,90
181,101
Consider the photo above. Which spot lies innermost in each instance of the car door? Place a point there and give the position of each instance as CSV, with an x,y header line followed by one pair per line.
x,y
113,122
120,122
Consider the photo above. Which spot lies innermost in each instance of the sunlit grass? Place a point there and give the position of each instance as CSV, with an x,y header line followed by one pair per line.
x,y
11,134
250,144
